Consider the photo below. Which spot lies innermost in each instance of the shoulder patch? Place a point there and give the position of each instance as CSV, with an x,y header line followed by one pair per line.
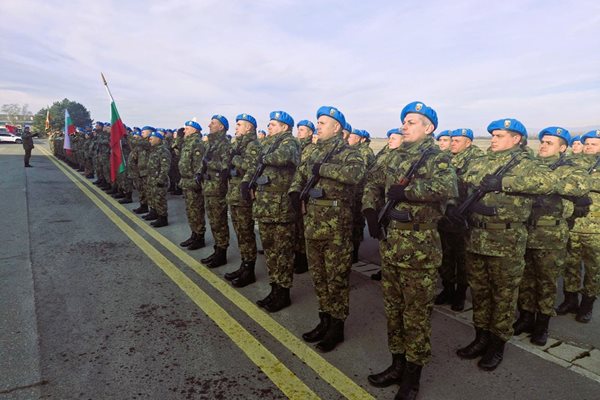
x,y
442,165
197,152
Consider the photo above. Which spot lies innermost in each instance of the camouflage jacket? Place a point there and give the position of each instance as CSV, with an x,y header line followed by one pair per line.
x,y
104,144
590,223
547,227
281,155
245,151
367,154
377,173
218,156
460,162
143,150
190,160
428,192
505,234
306,147
159,160
132,159
330,216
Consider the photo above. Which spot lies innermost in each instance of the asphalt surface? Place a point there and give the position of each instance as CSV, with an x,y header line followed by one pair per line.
x,y
86,313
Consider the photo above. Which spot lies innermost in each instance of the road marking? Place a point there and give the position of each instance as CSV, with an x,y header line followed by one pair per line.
x,y
279,374
327,371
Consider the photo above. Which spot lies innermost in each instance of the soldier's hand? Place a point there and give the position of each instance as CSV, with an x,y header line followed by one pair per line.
x,y
295,200
396,193
245,191
491,183
198,178
374,228
316,168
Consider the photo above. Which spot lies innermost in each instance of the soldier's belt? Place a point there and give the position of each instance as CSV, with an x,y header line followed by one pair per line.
x,y
554,222
593,214
409,226
265,188
326,203
496,225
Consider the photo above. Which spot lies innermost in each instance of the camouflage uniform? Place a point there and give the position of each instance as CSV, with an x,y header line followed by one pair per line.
x,y
190,161
245,153
496,244
159,161
143,150
123,180
103,163
272,207
306,148
358,220
217,158
328,221
88,160
174,174
411,253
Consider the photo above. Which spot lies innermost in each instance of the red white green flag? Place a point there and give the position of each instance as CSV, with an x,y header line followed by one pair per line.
x,y
69,130
117,132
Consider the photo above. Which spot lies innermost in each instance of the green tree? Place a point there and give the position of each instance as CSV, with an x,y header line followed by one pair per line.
x,y
79,114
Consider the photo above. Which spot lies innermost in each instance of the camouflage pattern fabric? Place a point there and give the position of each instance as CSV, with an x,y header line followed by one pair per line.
x,y
278,244
159,161
143,152
104,154
306,148
572,272
243,224
358,220
539,283
190,161
175,149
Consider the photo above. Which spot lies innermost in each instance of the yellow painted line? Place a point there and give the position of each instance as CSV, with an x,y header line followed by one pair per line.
x,y
279,374
328,372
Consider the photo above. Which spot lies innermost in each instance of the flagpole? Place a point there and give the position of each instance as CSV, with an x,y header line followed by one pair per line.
x,y
107,88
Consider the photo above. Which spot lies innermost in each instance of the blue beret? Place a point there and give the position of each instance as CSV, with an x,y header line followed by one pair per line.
x,y
246,117
463,132
393,131
157,134
443,133
419,107
137,133
100,123
334,113
282,117
348,127
365,134
556,131
262,131
590,135
193,124
148,128
222,120
508,124
575,139
355,131
306,123
107,124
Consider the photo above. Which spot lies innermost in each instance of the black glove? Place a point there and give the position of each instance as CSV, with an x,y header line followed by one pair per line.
x,y
198,178
396,193
315,168
454,217
583,201
374,228
491,183
582,206
245,191
295,200
180,132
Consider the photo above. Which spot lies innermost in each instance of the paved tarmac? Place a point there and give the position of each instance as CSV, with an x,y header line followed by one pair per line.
x,y
96,304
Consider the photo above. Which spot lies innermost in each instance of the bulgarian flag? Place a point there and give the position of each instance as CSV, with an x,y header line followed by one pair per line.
x,y
69,130
117,132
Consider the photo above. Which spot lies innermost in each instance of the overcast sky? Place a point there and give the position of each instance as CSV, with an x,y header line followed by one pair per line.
x,y
170,60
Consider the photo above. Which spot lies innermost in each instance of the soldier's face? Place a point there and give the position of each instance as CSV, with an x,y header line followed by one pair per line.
x,y
154,140
577,147
416,127
353,139
303,132
327,127
459,144
261,136
346,134
242,128
551,146
591,146
215,126
276,127
504,140
395,140
444,143
146,133
188,130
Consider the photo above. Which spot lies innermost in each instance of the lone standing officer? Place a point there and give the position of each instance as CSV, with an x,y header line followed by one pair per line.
x,y
338,168
498,235
213,176
279,157
418,182
27,138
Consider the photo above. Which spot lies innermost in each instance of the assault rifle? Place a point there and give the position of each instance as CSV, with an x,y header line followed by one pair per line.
x,y
314,179
257,177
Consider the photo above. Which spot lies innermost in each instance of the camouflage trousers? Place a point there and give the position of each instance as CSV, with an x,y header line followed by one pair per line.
x,y
329,263
583,247
124,182
243,224
105,163
88,165
537,291
216,209
453,271
139,183
494,283
157,197
194,209
409,266
300,242
278,244
358,219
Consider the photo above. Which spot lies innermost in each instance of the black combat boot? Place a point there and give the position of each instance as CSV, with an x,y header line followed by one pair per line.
x,y
355,247
539,335
280,299
569,305
477,347
409,385
161,221
376,276
234,274
524,323
118,195
460,295
143,208
111,189
493,355
177,192
586,308
197,243
246,277
151,216
300,263
333,336
446,295
189,240
98,182
269,297
126,199
391,375
90,176
320,330
216,259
